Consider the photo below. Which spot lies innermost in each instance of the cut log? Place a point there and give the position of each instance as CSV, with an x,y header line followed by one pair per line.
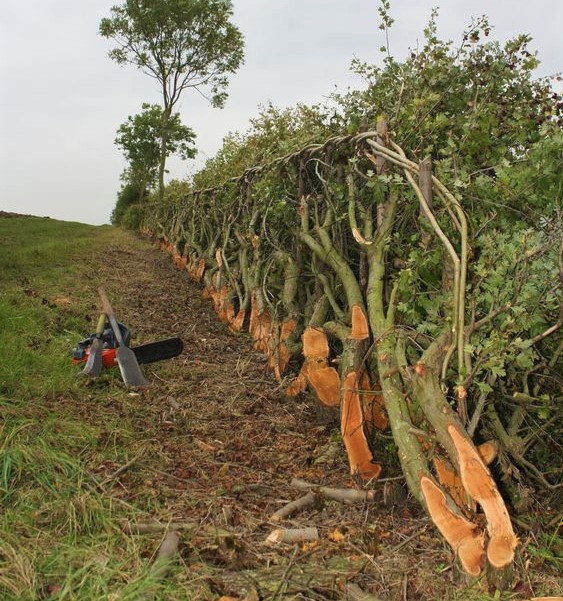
x,y
293,535
360,327
463,536
479,483
359,453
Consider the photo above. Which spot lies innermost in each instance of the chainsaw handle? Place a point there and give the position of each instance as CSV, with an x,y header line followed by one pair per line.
x,y
107,308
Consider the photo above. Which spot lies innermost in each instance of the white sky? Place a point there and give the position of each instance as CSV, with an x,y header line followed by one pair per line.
x,y
62,99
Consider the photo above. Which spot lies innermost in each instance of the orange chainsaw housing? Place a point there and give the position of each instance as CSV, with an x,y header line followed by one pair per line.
x,y
108,357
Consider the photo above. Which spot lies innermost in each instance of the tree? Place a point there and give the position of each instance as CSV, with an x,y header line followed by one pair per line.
x,y
140,138
180,43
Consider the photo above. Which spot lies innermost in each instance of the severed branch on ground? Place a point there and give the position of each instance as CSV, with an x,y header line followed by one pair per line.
x,y
299,504
347,496
156,527
167,550
293,535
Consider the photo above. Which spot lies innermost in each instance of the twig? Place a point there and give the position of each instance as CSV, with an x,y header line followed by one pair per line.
x,y
122,469
284,578
408,540
303,502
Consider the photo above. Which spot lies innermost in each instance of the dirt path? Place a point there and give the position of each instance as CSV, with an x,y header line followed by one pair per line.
x,y
217,443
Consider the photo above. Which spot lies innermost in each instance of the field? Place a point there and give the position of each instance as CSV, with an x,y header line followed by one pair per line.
x,y
93,476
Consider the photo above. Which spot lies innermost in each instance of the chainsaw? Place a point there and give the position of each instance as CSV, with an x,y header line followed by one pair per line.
x,y
145,353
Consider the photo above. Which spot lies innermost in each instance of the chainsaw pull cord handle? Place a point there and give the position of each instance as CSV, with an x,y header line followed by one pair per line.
x,y
111,316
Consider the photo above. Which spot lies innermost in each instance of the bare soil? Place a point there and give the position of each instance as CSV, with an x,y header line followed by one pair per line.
x,y
217,443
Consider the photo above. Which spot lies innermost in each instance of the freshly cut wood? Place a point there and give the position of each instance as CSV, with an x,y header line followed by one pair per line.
x,y
298,385
373,405
360,327
359,453
260,326
293,535
295,506
284,355
452,483
315,344
230,312
200,270
449,479
237,323
316,371
344,495
463,536
326,384
479,483
488,451
179,260
287,328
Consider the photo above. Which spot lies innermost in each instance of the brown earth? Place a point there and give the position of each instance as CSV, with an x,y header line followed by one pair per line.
x,y
217,443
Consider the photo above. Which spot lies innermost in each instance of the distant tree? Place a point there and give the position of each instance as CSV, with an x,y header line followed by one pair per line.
x,y
126,197
182,44
140,138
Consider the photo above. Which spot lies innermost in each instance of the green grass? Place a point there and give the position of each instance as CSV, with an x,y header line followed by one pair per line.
x,y
39,269
60,532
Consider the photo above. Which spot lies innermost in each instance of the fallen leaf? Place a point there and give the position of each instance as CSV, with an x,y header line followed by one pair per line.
x,y
336,536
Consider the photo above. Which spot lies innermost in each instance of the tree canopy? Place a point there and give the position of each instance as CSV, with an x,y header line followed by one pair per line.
x,y
182,44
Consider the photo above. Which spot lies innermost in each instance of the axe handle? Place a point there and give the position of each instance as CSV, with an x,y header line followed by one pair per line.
x,y
107,308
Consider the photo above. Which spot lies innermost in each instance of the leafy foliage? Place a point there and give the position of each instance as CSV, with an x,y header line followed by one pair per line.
x,y
303,183
141,138
182,44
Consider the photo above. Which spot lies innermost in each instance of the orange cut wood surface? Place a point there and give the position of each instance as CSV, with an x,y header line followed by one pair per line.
x,y
479,483
373,406
238,322
452,483
326,384
360,327
359,453
462,535
298,385
315,343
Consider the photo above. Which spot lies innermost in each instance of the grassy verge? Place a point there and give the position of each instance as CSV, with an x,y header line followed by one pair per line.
x,y
61,534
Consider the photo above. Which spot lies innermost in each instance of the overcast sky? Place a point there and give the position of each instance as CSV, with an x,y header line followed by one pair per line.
x,y
62,99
